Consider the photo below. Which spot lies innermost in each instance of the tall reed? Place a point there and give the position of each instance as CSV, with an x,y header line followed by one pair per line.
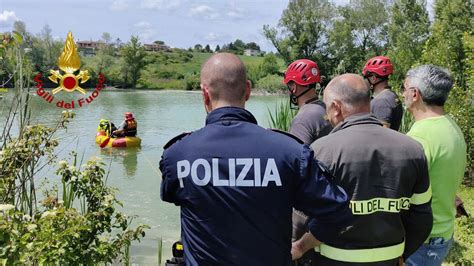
x,y
281,116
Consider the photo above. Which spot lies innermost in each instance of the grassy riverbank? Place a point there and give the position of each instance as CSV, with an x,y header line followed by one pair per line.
x,y
179,70
462,252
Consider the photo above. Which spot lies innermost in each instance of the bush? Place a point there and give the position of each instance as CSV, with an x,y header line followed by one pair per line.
x,y
254,73
271,83
192,81
269,65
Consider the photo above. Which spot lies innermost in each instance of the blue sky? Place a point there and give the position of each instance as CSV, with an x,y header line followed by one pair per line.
x,y
180,23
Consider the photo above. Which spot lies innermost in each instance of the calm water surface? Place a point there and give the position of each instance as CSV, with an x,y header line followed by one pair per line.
x,y
161,115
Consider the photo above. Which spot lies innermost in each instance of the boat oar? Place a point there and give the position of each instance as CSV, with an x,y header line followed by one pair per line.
x,y
104,143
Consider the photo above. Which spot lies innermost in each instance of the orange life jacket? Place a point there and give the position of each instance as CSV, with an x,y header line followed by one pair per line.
x,y
131,128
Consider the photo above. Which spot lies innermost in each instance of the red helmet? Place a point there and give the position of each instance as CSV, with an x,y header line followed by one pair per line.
x,y
303,72
379,65
129,116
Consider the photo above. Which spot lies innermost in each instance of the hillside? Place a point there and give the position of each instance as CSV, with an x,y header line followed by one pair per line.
x,y
179,70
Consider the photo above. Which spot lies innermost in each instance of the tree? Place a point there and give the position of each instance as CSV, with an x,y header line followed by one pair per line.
x,y
239,46
207,49
359,32
269,65
20,27
450,45
218,48
47,38
407,33
445,47
253,46
198,48
106,37
134,61
105,54
302,31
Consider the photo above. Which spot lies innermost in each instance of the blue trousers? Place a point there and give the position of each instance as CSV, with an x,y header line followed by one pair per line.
x,y
431,253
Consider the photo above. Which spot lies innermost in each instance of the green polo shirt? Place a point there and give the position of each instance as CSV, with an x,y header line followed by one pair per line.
x,y
445,150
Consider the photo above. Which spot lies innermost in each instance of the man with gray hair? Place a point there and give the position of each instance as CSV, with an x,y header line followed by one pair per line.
x,y
426,89
383,172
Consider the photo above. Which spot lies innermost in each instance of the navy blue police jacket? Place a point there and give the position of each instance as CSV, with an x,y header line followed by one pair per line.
x,y
236,184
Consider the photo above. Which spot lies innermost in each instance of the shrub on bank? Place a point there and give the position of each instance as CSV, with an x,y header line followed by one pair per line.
x,y
192,82
271,84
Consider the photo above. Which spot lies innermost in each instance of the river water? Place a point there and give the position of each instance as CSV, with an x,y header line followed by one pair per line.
x,y
161,115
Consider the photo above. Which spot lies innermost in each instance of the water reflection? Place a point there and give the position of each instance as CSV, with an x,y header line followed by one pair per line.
x,y
128,157
160,115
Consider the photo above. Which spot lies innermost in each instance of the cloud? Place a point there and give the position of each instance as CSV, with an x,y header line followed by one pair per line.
x,y
204,12
145,31
213,38
7,18
119,5
160,4
142,25
235,12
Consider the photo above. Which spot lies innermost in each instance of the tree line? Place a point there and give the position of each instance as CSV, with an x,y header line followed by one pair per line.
x,y
236,47
342,38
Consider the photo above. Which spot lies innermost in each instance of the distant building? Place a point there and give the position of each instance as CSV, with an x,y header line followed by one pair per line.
x,y
88,48
252,52
156,47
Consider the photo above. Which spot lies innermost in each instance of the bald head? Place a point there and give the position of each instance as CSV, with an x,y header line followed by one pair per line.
x,y
351,90
225,78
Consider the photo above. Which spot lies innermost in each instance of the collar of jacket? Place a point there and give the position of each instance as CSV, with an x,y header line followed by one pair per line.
x,y
357,119
230,114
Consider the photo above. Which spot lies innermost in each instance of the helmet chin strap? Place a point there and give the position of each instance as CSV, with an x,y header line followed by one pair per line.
x,y
294,98
381,79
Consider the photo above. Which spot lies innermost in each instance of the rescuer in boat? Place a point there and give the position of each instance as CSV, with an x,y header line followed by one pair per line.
x,y
128,128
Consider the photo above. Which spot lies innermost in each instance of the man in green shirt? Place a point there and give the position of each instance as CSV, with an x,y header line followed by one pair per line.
x,y
426,89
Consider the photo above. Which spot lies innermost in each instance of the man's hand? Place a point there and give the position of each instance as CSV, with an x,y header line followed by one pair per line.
x,y
305,243
296,251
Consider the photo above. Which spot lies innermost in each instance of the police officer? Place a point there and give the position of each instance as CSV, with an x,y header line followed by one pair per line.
x,y
236,183
385,104
385,174
302,76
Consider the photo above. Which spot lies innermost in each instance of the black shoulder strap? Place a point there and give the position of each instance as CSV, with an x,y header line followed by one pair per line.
x,y
287,134
176,139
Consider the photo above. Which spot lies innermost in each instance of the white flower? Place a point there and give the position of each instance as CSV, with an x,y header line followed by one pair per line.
x,y
62,164
6,207
31,227
48,213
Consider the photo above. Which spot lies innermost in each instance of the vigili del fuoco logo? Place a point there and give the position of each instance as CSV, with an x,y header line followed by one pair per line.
x,y
69,78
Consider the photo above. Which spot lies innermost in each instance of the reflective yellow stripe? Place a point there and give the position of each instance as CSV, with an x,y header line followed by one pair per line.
x,y
364,207
421,198
361,255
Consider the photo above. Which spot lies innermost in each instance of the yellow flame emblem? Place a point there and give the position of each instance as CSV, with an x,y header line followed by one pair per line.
x,y
69,62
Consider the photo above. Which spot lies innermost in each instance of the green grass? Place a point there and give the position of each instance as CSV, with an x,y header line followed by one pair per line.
x,y
462,252
165,70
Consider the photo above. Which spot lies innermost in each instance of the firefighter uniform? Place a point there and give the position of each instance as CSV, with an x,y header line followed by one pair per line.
x,y
236,184
385,174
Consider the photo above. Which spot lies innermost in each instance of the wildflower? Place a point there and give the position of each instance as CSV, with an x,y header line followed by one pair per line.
x,y
31,227
48,213
62,164
6,207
